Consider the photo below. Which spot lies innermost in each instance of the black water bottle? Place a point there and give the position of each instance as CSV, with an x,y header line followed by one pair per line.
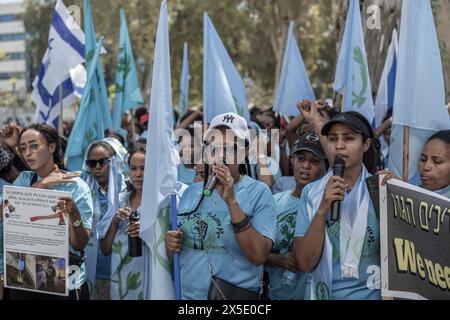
x,y
134,244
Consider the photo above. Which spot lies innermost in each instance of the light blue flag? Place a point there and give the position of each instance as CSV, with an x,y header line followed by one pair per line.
x,y
160,177
183,102
88,125
90,48
128,94
352,73
294,85
223,88
420,92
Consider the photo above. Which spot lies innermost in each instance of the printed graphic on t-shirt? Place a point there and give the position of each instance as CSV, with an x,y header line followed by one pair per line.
x,y
206,230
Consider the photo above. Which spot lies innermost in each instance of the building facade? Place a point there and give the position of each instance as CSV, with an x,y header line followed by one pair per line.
x,y
13,65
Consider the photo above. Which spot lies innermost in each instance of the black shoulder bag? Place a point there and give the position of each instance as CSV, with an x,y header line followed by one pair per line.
x,y
224,290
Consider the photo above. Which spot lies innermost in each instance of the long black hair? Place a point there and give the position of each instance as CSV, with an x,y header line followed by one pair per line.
x,y
50,135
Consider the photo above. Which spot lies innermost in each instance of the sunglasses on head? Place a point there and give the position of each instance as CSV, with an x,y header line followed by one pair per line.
x,y
102,162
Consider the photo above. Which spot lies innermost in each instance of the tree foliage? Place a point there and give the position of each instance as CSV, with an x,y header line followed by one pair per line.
x,y
253,31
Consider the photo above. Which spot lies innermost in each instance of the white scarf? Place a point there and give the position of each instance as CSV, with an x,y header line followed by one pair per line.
x,y
353,226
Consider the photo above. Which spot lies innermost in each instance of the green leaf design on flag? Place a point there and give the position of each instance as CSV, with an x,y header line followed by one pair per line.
x,y
239,108
163,221
183,104
90,55
133,281
360,98
117,247
123,66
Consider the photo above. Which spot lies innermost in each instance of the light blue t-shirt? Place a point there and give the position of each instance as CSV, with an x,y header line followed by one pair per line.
x,y
367,287
81,194
210,227
279,288
186,175
2,184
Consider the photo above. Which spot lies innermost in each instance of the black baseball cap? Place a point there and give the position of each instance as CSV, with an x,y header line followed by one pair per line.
x,y
353,120
309,142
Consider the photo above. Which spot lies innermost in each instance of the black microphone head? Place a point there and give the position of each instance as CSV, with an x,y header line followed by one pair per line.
x,y
338,166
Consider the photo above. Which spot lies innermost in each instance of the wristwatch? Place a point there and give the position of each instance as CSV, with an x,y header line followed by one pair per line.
x,y
76,224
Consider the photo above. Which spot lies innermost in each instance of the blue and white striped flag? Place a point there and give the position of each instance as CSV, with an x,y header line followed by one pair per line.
x,y
386,89
66,50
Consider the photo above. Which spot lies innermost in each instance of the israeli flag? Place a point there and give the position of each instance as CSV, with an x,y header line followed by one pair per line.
x,y
66,50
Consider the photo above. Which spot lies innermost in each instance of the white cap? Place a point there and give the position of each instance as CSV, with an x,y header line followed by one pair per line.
x,y
233,121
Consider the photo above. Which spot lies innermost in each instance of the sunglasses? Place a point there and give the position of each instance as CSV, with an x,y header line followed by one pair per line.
x,y
33,147
102,162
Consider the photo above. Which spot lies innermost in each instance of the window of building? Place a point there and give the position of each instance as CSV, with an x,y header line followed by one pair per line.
x,y
12,37
10,75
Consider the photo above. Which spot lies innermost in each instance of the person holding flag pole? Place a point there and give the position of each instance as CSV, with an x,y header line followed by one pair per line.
x,y
420,136
419,105
161,188
234,221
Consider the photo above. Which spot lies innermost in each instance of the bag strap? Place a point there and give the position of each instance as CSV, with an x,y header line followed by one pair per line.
x,y
213,273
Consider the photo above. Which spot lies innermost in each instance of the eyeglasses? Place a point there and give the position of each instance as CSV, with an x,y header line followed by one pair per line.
x,y
102,162
22,149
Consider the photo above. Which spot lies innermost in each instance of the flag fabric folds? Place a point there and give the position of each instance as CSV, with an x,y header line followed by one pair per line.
x,y
65,51
419,91
223,87
352,74
160,179
90,49
294,85
127,92
88,125
183,102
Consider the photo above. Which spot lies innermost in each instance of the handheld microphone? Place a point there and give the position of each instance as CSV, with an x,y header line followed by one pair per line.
x,y
338,170
210,185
